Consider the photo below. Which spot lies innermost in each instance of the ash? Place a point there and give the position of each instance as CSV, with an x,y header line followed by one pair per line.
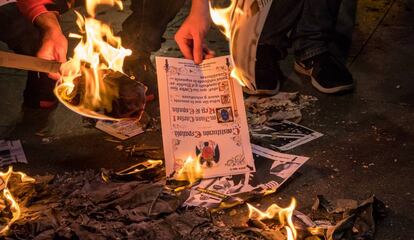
x,y
81,205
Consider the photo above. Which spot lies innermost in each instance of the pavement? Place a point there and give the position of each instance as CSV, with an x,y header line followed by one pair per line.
x,y
367,149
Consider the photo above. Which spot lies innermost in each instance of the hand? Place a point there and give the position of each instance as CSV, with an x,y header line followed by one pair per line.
x,y
190,36
54,44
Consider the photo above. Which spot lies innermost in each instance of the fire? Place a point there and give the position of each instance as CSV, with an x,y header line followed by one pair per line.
x,y
226,18
8,200
284,215
191,171
98,53
91,5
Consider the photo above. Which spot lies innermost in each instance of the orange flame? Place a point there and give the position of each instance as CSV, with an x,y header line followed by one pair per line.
x,y
191,171
98,52
284,215
222,17
8,197
91,5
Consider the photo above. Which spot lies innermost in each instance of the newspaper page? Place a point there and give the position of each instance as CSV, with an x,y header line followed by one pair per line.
x,y
282,136
203,115
11,152
272,170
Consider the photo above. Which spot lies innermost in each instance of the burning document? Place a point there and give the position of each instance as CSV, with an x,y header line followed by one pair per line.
x,y
203,117
122,130
11,152
283,135
272,170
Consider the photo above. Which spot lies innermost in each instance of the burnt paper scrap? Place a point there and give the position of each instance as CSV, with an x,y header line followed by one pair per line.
x,y
272,170
122,130
282,135
11,152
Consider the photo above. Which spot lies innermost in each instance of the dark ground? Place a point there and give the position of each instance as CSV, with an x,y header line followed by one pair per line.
x,y
368,146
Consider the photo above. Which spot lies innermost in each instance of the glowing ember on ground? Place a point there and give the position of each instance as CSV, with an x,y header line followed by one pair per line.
x,y
8,203
283,215
98,54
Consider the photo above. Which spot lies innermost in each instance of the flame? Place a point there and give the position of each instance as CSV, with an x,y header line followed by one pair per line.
x,y
284,215
191,171
222,17
8,197
98,53
91,5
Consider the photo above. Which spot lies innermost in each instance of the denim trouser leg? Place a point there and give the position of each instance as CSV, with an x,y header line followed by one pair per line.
x,y
283,16
315,28
142,31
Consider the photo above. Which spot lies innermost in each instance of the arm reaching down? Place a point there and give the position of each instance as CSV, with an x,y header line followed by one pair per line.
x,y
190,36
54,44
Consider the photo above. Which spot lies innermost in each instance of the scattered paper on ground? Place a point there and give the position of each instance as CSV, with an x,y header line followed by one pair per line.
x,y
203,115
123,129
272,170
11,152
282,106
282,135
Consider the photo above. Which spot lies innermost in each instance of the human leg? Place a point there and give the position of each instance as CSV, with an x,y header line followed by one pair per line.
x,y
312,37
273,44
142,32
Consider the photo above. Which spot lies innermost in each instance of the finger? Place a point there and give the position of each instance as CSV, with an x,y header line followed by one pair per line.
x,y
61,55
185,46
198,50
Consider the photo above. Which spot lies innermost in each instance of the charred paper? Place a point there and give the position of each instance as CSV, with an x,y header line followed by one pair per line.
x,y
272,170
203,116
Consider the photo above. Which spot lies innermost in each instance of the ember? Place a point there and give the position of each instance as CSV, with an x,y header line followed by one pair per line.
x,y
8,203
283,215
191,171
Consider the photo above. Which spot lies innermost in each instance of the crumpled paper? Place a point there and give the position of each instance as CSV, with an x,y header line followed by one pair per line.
x,y
282,106
102,205
345,219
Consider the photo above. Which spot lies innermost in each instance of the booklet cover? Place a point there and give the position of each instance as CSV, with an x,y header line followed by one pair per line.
x,y
203,116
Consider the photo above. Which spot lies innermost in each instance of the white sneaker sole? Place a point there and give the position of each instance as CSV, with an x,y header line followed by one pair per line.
x,y
301,70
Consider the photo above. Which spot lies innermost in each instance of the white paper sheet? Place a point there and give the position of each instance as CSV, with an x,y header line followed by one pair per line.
x,y
203,114
272,170
11,152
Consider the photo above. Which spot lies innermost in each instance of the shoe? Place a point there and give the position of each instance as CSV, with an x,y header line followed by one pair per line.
x,y
269,76
327,74
39,91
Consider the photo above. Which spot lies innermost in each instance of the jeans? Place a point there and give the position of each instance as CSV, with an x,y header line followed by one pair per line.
x,y
142,31
306,25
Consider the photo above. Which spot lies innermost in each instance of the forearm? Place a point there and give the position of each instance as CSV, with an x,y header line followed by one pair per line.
x,y
200,7
31,9
48,23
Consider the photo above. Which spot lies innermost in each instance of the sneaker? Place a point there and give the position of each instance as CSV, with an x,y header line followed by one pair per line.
x,y
269,76
327,74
